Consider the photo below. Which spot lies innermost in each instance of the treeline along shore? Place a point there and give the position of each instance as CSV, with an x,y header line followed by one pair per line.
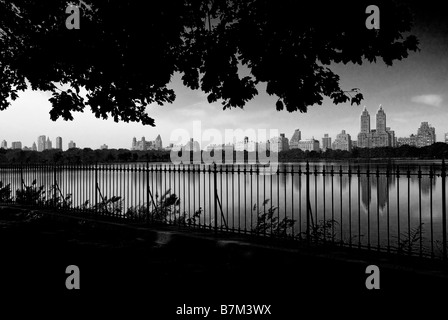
x,y
438,150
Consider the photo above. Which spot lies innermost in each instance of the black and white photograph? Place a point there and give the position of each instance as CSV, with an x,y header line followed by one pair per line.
x,y
190,159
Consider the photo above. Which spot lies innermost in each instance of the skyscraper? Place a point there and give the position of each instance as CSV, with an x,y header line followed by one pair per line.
x,y
59,143
48,144
134,144
446,137
16,145
296,137
326,142
158,142
34,147
382,136
380,120
365,121
4,144
280,143
71,145
343,141
426,135
41,143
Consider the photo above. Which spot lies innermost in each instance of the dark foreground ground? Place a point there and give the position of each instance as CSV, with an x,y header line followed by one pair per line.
x,y
153,274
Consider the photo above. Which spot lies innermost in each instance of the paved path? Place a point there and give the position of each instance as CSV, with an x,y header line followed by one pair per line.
x,y
160,270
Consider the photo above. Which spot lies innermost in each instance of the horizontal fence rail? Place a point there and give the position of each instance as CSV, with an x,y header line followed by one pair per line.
x,y
392,208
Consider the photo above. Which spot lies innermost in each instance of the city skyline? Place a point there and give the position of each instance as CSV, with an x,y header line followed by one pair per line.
x,y
343,137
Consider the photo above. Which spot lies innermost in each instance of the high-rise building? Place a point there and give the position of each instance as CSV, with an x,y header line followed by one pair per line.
x,y
59,143
41,143
426,135
393,139
365,121
382,136
4,144
381,120
343,141
446,137
158,142
310,145
71,145
326,142
134,144
104,147
34,147
282,143
16,145
48,144
296,137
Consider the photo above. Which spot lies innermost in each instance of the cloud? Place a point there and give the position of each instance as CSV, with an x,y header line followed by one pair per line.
x,y
434,100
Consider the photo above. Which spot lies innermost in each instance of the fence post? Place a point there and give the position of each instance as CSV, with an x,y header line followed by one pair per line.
x,y
307,173
147,192
444,208
216,196
54,185
96,186
21,177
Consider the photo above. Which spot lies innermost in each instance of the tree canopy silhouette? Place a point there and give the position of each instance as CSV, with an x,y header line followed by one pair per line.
x,y
125,52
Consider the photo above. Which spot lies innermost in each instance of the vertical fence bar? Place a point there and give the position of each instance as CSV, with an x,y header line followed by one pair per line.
x,y
408,175
349,206
431,177
358,172
378,206
96,186
420,209
340,193
216,195
398,207
443,176
307,172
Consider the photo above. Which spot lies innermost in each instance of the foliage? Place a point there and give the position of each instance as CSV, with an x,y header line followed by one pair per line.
x,y
268,222
125,53
30,195
410,240
34,195
5,192
323,231
109,206
164,209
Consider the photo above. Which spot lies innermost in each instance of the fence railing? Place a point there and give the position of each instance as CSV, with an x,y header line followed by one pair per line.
x,y
399,209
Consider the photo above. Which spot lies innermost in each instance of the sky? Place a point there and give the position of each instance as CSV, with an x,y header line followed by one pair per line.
x,y
411,91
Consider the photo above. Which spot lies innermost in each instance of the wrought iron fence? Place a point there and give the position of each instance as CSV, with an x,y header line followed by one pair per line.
x,y
393,208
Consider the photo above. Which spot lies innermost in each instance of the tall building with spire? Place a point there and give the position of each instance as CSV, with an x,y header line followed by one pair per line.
x,y
382,136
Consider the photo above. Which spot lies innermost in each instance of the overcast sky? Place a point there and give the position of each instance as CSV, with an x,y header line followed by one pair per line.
x,y
411,91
